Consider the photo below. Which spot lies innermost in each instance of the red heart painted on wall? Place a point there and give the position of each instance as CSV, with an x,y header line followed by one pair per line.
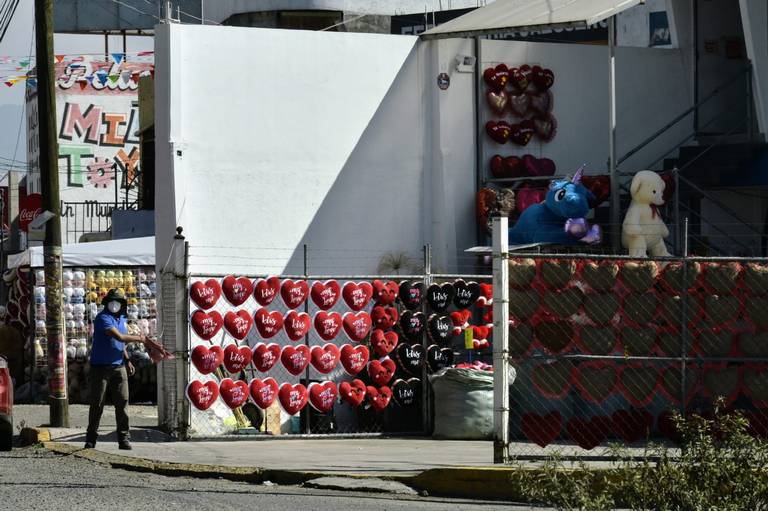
x,y
202,395
632,425
545,127
327,325
266,290
292,397
324,358
379,398
238,324
323,395
384,318
265,356
294,292
498,131
541,102
589,433
206,359
237,290
522,132
596,380
353,392
233,393
542,78
385,293
356,325
638,383
519,104
354,358
295,358
263,392
383,343
497,100
496,77
268,323
381,371
205,294
542,429
206,324
357,294
519,77
297,325
325,294
237,358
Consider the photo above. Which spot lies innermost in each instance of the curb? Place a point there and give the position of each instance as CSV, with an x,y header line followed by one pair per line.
x,y
31,436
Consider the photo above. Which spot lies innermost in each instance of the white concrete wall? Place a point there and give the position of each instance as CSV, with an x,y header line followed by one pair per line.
x,y
754,18
651,89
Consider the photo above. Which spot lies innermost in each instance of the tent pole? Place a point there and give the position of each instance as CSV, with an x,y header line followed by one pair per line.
x,y
615,203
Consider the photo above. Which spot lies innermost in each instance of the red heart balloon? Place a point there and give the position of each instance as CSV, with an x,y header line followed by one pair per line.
x,y
357,295
202,395
237,358
206,359
354,358
545,127
527,197
383,343
268,323
541,102
519,77
294,292
498,131
324,358
384,317
632,425
497,100
542,78
322,396
519,104
496,77
237,290
379,398
263,392
460,320
486,294
381,371
292,397
327,325
206,324
295,358
265,290
233,393
265,356
588,434
205,294
353,392
542,429
480,333
669,187
547,167
325,294
600,186
297,325
238,324
522,133
508,167
497,167
385,293
356,326
531,165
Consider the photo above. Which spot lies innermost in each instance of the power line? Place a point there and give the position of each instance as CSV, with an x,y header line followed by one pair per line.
x,y
7,22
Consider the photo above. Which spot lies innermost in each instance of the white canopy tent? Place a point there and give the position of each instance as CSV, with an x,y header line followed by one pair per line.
x,y
126,252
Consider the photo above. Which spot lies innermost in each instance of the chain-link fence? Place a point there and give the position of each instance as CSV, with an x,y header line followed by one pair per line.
x,y
606,348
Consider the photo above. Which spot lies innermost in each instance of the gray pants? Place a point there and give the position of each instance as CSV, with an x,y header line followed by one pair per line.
x,y
114,380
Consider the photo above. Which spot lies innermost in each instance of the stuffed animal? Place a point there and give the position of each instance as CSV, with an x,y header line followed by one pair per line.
x,y
560,217
643,230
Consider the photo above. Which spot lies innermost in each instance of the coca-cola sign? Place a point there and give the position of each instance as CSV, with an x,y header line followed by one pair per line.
x,y
29,207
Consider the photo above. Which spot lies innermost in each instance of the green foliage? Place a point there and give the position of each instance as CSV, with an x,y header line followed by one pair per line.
x,y
718,466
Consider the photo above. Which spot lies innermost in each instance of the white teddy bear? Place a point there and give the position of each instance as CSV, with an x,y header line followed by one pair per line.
x,y
643,229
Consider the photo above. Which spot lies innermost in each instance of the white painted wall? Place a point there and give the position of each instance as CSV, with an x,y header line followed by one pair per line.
x,y
754,18
651,89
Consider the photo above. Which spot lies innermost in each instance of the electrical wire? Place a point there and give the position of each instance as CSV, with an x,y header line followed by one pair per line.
x,y
7,21
23,112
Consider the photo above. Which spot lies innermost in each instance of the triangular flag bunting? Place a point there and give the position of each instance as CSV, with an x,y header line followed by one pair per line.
x,y
32,82
102,76
118,58
83,84
9,83
24,63
145,53
113,78
59,58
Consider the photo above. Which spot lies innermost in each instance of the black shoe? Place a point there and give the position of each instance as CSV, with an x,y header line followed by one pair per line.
x,y
89,445
125,445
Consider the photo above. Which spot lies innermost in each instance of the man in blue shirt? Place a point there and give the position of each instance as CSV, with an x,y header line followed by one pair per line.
x,y
108,369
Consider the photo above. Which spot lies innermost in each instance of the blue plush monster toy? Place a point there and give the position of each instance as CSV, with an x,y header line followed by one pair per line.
x,y
560,218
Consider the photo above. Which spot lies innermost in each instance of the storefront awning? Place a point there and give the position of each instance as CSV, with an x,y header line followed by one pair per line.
x,y
127,252
525,15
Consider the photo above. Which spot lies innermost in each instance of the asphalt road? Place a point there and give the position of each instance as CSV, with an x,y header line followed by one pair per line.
x,y
35,479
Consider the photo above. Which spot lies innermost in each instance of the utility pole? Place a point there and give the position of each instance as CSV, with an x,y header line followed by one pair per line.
x,y
49,177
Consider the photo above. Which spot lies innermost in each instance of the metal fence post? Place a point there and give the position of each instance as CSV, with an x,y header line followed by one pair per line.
x,y
308,422
684,321
500,341
426,407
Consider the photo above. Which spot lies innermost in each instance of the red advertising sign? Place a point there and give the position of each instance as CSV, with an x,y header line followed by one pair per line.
x,y
4,210
29,207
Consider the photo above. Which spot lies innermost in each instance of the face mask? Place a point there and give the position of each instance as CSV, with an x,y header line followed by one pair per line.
x,y
114,307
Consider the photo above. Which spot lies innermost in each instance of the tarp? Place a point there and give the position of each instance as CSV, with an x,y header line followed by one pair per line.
x,y
127,252
530,15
